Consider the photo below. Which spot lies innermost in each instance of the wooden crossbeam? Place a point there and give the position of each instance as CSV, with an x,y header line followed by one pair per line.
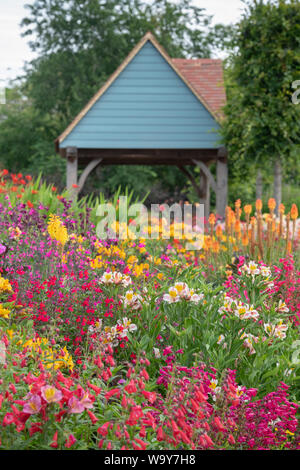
x,y
207,173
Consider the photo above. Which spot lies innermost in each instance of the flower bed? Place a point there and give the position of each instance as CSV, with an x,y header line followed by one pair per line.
x,y
141,344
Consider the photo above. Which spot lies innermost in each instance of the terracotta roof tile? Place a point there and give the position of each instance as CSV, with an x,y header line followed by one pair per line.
x,y
206,77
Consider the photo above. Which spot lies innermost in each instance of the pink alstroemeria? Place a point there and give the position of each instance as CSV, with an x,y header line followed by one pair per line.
x,y
33,406
77,405
51,394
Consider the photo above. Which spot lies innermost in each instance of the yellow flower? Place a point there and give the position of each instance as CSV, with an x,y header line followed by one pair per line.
x,y
57,230
49,358
5,285
10,333
4,312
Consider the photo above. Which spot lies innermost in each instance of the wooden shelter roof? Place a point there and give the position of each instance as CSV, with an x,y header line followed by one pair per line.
x,y
204,79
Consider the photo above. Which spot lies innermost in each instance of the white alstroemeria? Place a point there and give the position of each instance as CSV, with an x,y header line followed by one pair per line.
x,y
126,281
269,329
196,298
132,300
172,296
265,271
2,352
106,278
249,339
214,388
116,278
251,313
278,331
241,309
111,335
228,305
127,325
156,353
221,341
253,268
182,289
282,307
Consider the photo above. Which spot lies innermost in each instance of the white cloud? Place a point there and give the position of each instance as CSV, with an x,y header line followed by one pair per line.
x,y
14,50
223,11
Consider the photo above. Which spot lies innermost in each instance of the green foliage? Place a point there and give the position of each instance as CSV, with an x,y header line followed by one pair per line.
x,y
261,117
79,45
26,135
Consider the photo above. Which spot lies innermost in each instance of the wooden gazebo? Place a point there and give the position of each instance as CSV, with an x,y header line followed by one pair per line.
x,y
153,110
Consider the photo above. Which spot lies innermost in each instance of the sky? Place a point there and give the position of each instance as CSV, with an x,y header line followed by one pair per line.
x,y
15,51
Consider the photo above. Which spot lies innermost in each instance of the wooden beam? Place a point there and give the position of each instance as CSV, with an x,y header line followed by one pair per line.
x,y
88,169
207,173
199,154
202,189
192,180
222,187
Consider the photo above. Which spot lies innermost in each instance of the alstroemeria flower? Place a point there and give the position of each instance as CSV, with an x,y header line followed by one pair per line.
x,y
33,406
51,394
78,405
75,405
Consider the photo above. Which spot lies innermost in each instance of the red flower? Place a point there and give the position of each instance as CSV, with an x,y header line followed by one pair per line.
x,y
150,396
93,418
110,393
130,388
54,441
96,389
103,430
70,441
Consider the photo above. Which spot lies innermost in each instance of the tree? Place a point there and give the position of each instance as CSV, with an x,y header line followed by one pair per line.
x,y
261,119
81,43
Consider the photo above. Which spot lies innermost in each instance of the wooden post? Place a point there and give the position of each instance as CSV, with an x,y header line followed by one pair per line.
x,y
222,182
277,184
207,182
72,167
259,184
205,187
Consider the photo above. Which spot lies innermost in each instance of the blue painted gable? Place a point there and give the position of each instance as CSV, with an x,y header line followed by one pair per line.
x,y
147,106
